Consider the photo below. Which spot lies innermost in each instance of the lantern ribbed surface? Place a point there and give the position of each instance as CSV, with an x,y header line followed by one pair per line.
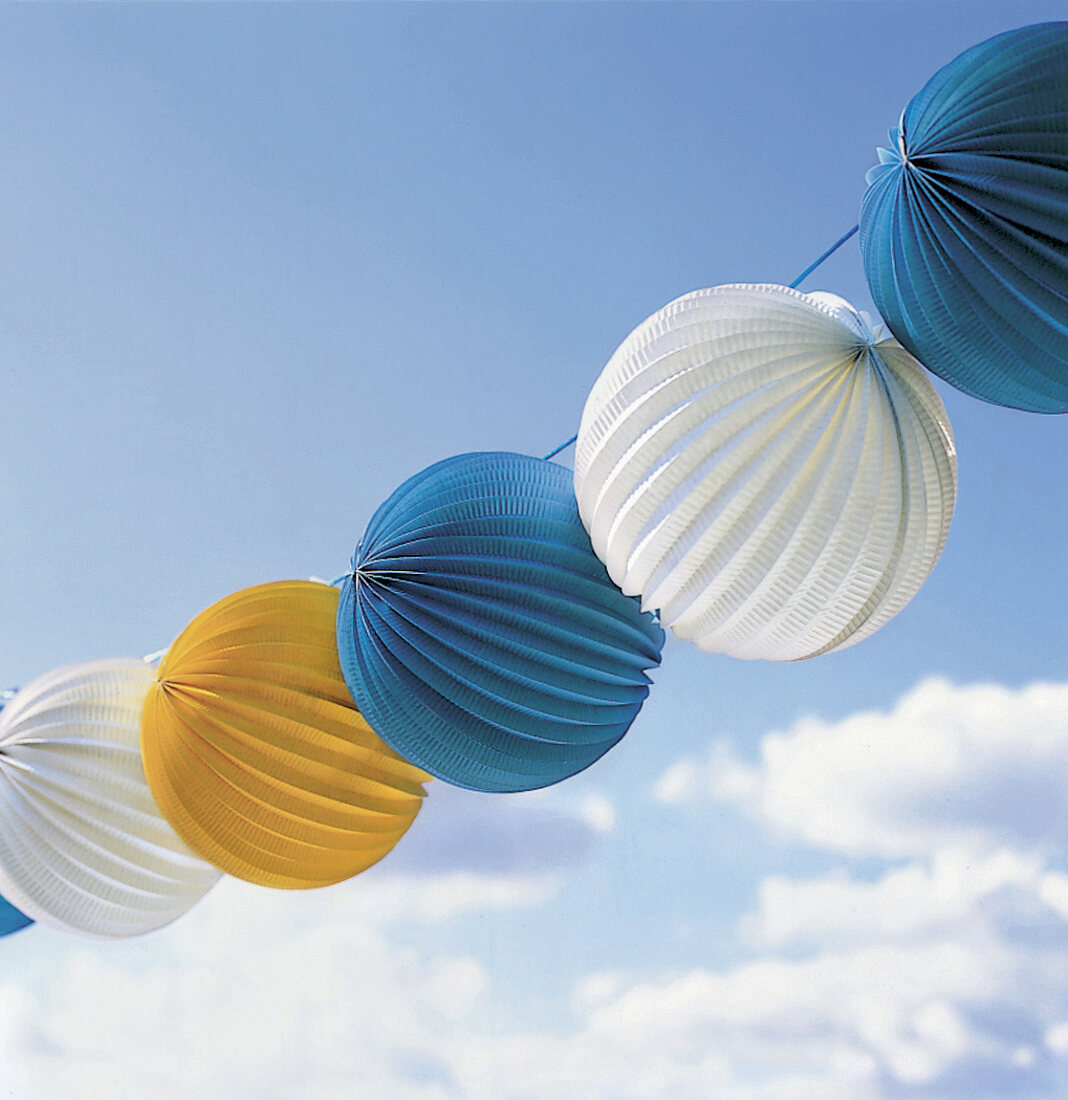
x,y
759,467
256,752
481,636
964,226
83,847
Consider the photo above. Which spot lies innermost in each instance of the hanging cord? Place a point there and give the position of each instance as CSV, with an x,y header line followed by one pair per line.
x,y
331,584
830,252
562,447
793,286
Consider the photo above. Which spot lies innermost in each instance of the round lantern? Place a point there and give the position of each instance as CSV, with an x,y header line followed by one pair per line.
x,y
964,226
479,634
758,466
256,753
83,847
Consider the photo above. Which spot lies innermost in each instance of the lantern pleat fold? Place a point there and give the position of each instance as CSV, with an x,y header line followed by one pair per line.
x,y
759,468
480,635
964,226
83,846
256,752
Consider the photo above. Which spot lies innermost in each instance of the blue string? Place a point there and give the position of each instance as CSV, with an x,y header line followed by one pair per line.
x,y
553,454
793,286
830,252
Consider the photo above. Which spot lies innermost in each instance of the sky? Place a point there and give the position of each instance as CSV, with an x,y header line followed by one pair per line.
x,y
261,263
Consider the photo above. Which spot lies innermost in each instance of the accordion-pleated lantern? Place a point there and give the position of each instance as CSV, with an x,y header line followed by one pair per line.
x,y
481,636
964,226
756,465
256,752
83,847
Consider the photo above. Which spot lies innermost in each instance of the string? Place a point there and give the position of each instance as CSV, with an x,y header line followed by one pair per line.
x,y
553,454
830,252
793,286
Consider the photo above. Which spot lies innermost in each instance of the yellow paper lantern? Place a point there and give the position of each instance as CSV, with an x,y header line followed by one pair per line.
x,y
256,753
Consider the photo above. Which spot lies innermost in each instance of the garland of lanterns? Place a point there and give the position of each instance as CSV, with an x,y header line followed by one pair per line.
x,y
758,465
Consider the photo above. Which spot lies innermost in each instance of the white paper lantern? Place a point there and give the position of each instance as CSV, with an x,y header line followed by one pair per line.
x,y
83,847
763,469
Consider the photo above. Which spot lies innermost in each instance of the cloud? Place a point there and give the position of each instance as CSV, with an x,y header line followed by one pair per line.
x,y
916,900
945,976
868,1022
259,993
970,768
305,995
843,1013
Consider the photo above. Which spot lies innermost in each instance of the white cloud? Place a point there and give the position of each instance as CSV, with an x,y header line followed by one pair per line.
x,y
337,1010
945,973
1056,1038
919,899
794,1015
260,994
598,812
593,990
679,783
454,986
968,768
836,1026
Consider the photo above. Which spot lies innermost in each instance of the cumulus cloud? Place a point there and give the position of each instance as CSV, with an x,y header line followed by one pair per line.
x,y
971,768
842,1015
872,1021
259,993
939,971
916,900
301,995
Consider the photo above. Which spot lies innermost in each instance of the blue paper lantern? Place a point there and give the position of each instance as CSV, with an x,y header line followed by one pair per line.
x,y
480,636
964,226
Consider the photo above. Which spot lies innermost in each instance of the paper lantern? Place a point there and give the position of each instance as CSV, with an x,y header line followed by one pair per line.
x,y
964,226
11,920
479,634
256,753
757,465
83,847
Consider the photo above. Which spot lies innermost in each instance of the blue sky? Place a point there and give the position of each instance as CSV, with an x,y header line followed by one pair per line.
x,y
258,265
